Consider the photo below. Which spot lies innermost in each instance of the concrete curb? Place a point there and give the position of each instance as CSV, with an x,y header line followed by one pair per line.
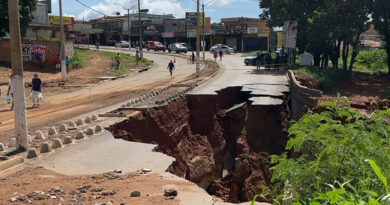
x,y
212,75
10,163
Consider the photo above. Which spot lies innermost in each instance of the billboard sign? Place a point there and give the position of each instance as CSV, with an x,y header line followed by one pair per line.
x,y
55,20
253,30
34,52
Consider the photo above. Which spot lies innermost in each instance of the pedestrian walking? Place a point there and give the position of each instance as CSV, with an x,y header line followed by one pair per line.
x,y
67,63
36,94
97,45
193,57
220,55
117,61
57,61
215,55
171,67
10,92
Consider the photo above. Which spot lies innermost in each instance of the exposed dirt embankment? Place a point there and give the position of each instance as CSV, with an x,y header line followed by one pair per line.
x,y
209,135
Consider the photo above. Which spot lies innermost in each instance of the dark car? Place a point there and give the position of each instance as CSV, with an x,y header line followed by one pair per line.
x,y
188,46
177,47
258,58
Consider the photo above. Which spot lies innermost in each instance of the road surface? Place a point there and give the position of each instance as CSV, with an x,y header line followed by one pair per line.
x,y
260,82
70,104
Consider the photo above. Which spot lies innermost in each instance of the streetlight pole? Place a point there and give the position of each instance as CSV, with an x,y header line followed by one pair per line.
x,y
62,34
19,98
129,27
140,42
204,41
197,39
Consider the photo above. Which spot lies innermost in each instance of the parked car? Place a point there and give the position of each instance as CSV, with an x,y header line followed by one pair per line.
x,y
225,49
155,45
177,47
122,44
188,46
258,58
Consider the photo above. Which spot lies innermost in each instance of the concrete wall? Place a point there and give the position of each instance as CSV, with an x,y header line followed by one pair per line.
x,y
48,50
302,98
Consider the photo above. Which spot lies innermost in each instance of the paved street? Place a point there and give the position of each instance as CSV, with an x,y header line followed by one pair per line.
x,y
234,73
69,104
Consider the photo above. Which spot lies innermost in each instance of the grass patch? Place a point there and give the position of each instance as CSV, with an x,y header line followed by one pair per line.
x,y
385,93
327,78
248,54
128,62
369,61
79,57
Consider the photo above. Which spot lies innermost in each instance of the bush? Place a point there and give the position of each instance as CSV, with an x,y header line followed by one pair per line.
x,y
375,61
77,59
327,78
331,144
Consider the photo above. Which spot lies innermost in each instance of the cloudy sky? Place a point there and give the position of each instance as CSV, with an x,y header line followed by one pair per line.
x,y
216,9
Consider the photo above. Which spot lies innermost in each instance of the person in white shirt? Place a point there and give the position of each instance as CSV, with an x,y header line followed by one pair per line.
x,y
10,92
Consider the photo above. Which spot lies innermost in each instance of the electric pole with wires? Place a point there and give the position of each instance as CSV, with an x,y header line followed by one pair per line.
x,y
197,40
64,73
18,89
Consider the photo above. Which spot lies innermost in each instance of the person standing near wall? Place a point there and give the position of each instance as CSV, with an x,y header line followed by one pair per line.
x,y
10,93
67,62
57,61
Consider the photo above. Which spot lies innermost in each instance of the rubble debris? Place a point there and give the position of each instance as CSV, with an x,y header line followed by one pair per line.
x,y
32,153
39,135
52,131
135,194
45,147
56,143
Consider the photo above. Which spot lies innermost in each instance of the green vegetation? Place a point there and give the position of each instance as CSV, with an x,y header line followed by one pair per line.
x,y
248,54
128,62
341,157
79,57
46,38
26,9
373,61
330,29
326,77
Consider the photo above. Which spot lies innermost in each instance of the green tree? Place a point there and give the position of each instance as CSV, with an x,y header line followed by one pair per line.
x,y
324,26
27,7
381,20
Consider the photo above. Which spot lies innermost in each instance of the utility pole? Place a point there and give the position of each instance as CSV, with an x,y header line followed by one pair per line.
x,y
62,52
140,42
204,41
197,39
129,27
19,99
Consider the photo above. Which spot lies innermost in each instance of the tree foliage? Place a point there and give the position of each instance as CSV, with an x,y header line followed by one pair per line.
x,y
381,19
331,145
26,15
324,26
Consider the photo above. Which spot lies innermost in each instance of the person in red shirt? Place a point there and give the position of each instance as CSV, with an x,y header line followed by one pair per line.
x,y
57,61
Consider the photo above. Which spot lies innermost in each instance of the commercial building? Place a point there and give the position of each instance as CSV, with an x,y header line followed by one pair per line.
x,y
243,34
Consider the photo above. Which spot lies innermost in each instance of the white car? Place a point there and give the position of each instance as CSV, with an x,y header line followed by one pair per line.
x,y
122,44
225,49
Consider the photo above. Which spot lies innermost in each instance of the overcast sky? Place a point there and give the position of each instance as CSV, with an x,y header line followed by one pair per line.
x,y
217,9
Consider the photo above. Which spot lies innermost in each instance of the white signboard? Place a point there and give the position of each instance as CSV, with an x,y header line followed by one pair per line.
x,y
191,33
40,15
252,30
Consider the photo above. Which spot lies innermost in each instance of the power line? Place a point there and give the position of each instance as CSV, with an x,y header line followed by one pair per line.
x,y
91,8
210,2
